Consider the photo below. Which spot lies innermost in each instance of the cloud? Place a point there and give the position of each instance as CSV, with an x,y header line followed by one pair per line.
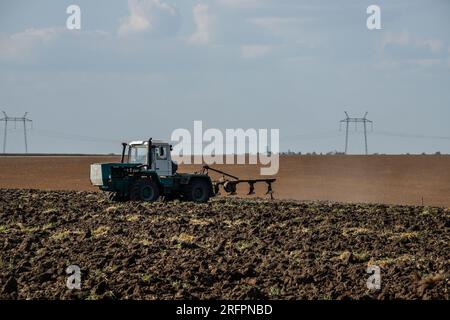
x,y
405,39
204,23
405,49
284,27
273,24
154,16
19,45
240,4
402,39
434,45
254,51
26,45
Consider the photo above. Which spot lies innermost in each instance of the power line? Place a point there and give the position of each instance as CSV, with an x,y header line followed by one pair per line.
x,y
72,136
311,135
410,135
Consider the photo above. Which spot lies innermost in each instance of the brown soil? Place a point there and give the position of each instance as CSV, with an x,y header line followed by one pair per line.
x,y
49,172
372,179
226,249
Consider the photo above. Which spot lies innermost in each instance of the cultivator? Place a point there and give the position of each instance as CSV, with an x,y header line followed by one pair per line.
x,y
229,182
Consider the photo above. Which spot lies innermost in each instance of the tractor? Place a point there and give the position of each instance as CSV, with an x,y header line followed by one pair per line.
x,y
146,172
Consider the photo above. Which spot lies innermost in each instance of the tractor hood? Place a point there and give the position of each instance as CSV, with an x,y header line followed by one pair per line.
x,y
101,172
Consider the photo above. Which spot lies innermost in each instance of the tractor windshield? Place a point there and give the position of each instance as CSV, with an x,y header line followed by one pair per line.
x,y
138,154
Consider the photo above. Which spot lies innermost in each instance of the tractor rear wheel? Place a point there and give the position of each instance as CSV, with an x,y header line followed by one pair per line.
x,y
145,190
198,191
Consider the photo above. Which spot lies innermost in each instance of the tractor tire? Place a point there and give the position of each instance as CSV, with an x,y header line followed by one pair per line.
x,y
144,190
198,191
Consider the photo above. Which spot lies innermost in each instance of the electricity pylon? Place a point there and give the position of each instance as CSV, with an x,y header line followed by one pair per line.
x,y
349,120
23,120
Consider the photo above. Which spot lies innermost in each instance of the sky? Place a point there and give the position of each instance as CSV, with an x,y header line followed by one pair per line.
x,y
143,68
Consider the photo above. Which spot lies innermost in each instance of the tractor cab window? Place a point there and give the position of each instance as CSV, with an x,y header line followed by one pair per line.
x,y
138,154
161,153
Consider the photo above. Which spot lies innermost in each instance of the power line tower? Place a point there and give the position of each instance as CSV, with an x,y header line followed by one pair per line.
x,y
349,120
23,120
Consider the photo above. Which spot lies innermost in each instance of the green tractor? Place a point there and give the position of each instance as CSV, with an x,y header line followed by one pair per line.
x,y
147,172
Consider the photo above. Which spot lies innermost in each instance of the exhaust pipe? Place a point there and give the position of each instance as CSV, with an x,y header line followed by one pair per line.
x,y
124,146
149,155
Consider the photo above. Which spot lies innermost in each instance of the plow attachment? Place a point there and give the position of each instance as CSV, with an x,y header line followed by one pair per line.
x,y
230,182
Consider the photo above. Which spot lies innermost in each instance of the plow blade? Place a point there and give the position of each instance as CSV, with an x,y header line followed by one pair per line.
x,y
229,182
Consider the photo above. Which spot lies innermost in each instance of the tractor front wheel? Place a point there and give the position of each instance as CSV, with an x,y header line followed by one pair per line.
x,y
145,190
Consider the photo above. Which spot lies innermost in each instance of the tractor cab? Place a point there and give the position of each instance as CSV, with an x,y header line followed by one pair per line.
x,y
137,152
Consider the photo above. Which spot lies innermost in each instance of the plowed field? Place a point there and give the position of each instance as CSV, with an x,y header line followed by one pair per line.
x,y
226,249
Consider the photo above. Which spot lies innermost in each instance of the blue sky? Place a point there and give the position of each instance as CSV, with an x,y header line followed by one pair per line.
x,y
144,68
